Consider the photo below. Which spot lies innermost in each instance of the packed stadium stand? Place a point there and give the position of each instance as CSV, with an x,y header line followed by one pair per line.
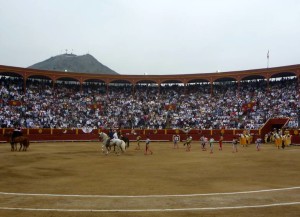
x,y
36,99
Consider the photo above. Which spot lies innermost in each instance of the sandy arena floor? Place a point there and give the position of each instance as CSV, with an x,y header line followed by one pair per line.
x,y
76,179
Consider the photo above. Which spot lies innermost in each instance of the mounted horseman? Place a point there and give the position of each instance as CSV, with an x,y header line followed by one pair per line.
x,y
16,136
110,137
116,143
16,133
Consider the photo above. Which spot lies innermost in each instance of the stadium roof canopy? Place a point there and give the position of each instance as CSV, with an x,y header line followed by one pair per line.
x,y
253,77
283,74
253,74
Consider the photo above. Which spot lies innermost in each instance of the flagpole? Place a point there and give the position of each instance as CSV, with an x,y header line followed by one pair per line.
x,y
268,57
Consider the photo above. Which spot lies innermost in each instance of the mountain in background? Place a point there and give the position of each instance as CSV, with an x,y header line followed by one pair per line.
x,y
73,63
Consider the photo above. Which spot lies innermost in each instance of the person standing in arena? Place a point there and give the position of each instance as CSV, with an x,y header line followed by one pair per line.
x,y
211,145
148,146
258,143
202,141
243,139
205,143
176,139
288,139
278,140
266,138
138,139
188,143
234,145
221,142
283,141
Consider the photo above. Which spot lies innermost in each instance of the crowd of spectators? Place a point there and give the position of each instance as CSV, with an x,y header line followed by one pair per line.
x,y
229,105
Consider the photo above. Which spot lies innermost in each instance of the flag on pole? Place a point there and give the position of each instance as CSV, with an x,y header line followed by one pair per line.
x,y
268,54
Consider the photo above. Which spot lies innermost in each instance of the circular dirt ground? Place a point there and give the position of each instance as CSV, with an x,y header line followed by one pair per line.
x,y
76,179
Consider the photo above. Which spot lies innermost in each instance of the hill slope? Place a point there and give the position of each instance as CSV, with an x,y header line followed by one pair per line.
x,y
73,63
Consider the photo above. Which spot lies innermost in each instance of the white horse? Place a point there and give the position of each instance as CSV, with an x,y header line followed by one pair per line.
x,y
118,143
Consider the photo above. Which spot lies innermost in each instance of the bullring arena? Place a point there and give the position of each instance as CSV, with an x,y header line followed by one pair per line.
x,y
64,172
76,179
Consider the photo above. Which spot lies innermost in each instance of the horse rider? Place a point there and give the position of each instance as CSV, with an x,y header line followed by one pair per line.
x,y
115,135
110,135
16,133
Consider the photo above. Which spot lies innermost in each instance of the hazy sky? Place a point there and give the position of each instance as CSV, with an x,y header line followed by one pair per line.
x,y
153,36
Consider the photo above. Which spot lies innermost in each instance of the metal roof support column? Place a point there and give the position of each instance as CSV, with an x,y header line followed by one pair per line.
x,y
238,89
133,90
107,90
159,90
24,85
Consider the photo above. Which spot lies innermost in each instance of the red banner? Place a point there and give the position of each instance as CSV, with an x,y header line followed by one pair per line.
x,y
248,106
95,106
14,103
170,107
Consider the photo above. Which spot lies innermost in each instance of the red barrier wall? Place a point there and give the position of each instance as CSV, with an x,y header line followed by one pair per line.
x,y
155,135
